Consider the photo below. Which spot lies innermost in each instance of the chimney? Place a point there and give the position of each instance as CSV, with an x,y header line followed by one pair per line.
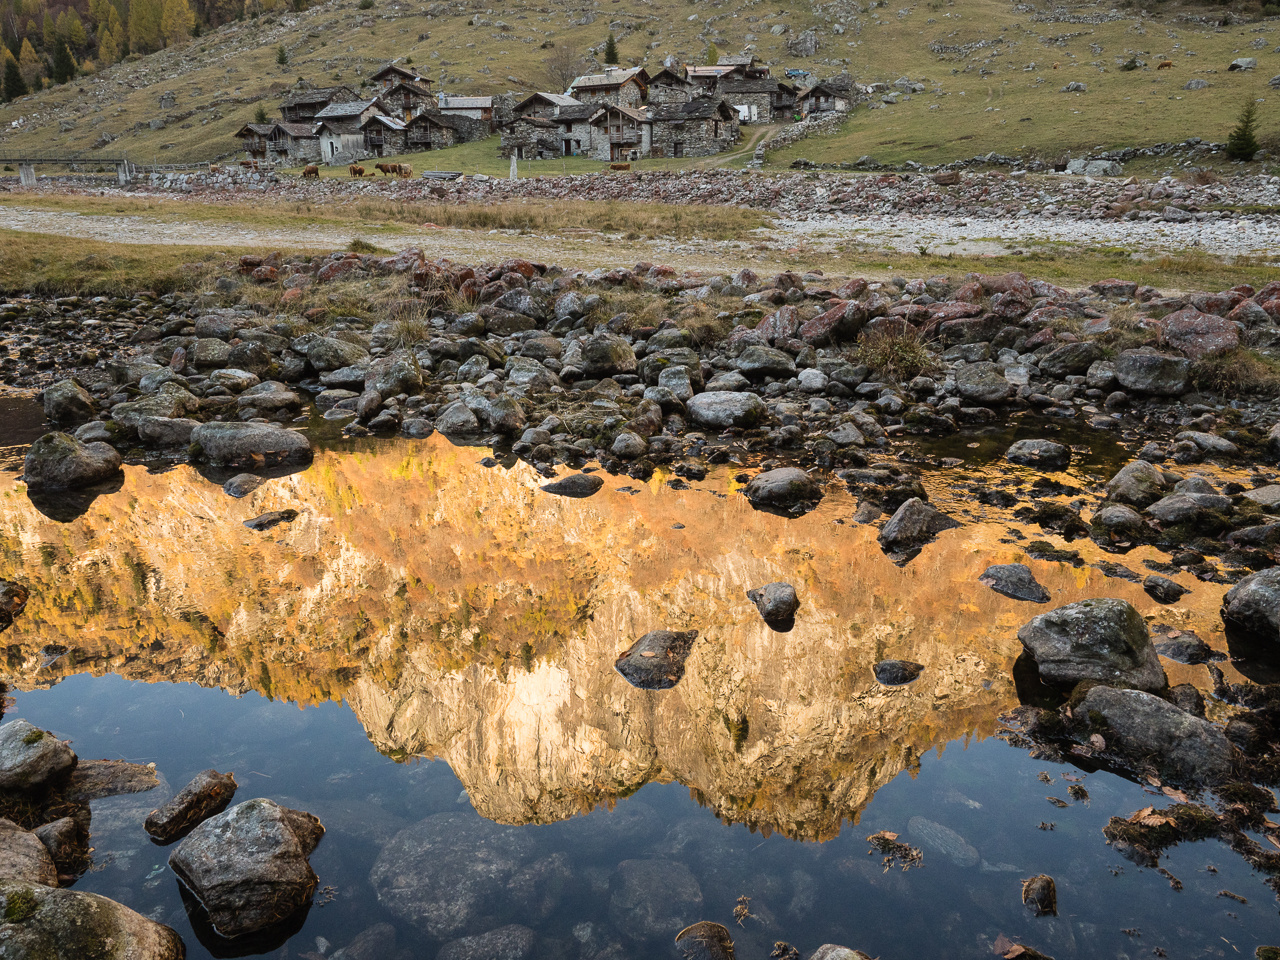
x,y
608,71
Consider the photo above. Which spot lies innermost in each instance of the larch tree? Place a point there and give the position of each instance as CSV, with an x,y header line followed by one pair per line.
x,y
144,26
176,21
30,64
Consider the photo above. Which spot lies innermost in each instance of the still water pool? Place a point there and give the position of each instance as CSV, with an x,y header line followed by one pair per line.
x,y
427,651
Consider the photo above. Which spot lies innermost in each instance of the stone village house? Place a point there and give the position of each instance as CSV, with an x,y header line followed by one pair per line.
x,y
621,88
340,129
430,130
384,136
292,143
303,105
700,128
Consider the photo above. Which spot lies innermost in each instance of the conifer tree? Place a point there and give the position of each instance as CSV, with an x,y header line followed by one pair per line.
x,y
713,54
1242,142
611,50
14,85
31,65
64,64
176,21
144,25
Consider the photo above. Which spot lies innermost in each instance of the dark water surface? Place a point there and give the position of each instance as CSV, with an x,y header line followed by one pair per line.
x,y
434,637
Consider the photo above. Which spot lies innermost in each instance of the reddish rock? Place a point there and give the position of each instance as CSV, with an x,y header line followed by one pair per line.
x,y
1115,289
337,268
942,312
250,262
470,289
911,312
893,326
1270,292
315,313
1040,338
1005,283
971,329
526,268
970,292
851,289
787,280
784,323
1218,304
1196,334
1272,307
1010,306
1249,314
1043,288
265,275
742,337
291,296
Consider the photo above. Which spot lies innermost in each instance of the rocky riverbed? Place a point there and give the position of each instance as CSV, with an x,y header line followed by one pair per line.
x,y
802,391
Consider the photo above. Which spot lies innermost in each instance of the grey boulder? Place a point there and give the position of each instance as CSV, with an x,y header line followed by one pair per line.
x,y
248,866
652,898
58,461
606,354
68,402
512,942
913,525
1143,726
1138,484
1158,374
1253,605
31,758
23,856
1044,454
983,383
784,488
41,922
1104,639
777,602
1014,580
656,661
722,409
251,443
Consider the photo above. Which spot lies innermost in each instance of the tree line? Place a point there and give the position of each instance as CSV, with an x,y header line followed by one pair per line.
x,y
44,42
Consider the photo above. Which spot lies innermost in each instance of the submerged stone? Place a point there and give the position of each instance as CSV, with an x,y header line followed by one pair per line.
x,y
936,838
705,940
653,897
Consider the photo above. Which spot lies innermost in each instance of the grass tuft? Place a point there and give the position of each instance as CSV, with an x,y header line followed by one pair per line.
x,y
1241,372
894,356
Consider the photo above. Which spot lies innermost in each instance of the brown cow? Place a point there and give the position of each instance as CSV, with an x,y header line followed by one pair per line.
x,y
355,171
406,170
311,170
1164,65
1055,66
386,169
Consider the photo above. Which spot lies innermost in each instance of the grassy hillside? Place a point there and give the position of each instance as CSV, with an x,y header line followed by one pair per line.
x,y
979,96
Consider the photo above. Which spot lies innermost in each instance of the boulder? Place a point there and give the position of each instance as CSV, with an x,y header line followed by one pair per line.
x,y
166,432
1103,639
1070,359
326,353
58,461
68,402
833,951
1138,484
457,420
896,673
652,898
1014,580
512,942
395,374
241,485
40,922
170,401
656,661
23,856
479,876
936,838
1044,454
250,443
207,794
1252,606
1145,727
1162,589
783,488
607,354
30,758
268,397
758,363
248,866
1158,374
777,602
983,383
575,485
722,409
913,525
1196,335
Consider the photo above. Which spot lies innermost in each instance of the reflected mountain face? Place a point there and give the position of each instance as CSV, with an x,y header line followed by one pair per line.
x,y
465,614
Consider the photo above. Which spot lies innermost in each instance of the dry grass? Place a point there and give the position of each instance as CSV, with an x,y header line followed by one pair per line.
x,y
896,357
1242,372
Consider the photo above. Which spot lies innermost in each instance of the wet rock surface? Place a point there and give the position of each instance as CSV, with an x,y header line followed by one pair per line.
x,y
656,661
1103,639
248,866
1016,581
30,758
483,876
895,673
41,922
777,602
207,794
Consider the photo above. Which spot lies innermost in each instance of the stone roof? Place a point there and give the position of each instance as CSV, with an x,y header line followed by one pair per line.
x,y
579,111
391,123
699,108
639,116
606,80
405,73
256,129
344,111
466,103
432,116
314,95
297,129
748,85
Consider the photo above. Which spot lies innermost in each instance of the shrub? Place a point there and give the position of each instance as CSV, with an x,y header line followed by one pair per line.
x,y
896,356
361,246
365,4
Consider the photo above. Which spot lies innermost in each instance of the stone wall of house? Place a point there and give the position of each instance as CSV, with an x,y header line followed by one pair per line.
x,y
295,152
661,93
394,142
437,138
763,103
469,129
697,138
579,131
522,140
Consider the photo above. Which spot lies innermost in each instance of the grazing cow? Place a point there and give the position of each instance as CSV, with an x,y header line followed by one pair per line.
x,y
1164,65
311,170
359,171
355,171
406,170
1055,65
214,168
386,169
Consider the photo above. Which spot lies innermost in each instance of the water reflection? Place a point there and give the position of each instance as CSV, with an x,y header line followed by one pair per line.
x,y
464,614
